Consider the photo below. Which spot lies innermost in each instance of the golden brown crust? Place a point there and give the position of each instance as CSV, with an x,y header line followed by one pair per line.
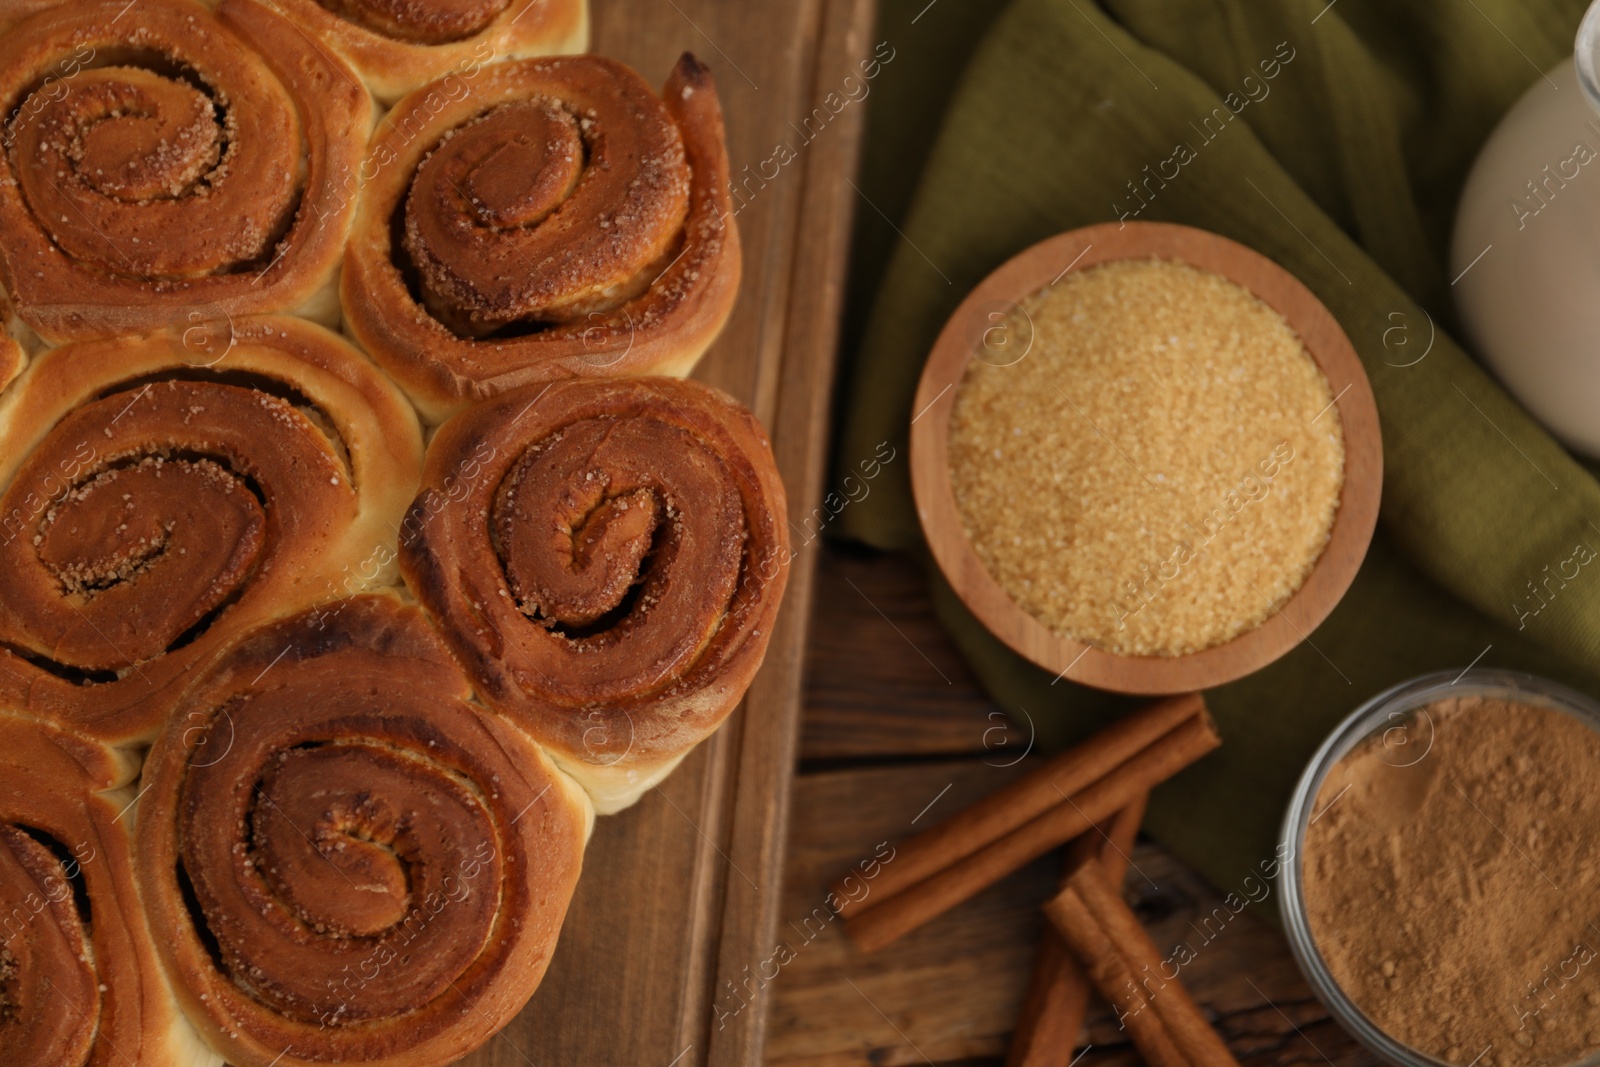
x,y
14,11
397,45
607,560
355,863
75,992
160,494
133,197
11,360
619,258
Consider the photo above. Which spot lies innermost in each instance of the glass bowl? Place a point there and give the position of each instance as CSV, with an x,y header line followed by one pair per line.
x,y
1406,742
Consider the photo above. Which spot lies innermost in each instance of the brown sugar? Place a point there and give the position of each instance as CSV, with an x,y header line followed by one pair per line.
x,y
1159,471
1455,896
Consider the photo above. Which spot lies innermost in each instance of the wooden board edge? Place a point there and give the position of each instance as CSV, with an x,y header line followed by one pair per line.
x,y
769,727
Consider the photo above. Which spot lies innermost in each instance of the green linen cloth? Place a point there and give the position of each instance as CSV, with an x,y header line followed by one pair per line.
x,y
1344,167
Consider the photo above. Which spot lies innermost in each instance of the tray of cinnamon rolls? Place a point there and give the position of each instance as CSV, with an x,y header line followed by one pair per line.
x,y
361,538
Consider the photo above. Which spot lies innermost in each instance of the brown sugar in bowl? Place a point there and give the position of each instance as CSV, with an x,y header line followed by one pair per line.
x,y
1037,269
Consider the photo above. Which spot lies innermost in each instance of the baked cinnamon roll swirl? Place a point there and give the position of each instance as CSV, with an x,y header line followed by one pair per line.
x,y
607,559
168,157
552,219
351,862
158,495
397,45
78,981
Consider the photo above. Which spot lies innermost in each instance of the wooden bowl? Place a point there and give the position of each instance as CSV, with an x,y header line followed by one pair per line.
x,y
1036,269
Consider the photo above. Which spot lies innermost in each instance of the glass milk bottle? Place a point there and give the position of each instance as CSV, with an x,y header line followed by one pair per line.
x,y
1525,254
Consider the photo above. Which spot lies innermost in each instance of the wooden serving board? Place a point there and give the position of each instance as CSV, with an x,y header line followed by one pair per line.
x,y
680,894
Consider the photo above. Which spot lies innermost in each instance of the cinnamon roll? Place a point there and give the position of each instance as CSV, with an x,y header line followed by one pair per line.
x,y
552,219
607,559
160,494
78,984
397,45
168,157
351,862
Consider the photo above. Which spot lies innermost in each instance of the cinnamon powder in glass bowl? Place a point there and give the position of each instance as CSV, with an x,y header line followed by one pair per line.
x,y
1444,899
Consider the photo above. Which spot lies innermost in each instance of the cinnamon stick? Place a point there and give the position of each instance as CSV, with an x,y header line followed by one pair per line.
x,y
1058,993
890,919
1114,977
1093,917
1024,800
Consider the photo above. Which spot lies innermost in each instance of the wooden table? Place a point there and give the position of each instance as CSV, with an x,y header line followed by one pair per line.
x,y
897,732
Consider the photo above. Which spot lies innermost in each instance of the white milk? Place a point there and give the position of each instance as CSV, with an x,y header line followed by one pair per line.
x,y
1525,255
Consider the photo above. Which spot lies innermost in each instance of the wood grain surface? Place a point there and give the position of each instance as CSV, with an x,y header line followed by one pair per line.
x,y
950,993
680,893
1040,267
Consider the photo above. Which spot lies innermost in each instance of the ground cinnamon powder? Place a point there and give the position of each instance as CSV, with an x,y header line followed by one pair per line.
x,y
1452,882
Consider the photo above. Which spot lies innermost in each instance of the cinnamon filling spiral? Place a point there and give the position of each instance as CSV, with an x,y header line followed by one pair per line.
x,y
521,217
163,526
127,527
431,22
627,538
553,218
167,509
44,956
608,559
135,153
176,158
357,863
77,983
342,837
